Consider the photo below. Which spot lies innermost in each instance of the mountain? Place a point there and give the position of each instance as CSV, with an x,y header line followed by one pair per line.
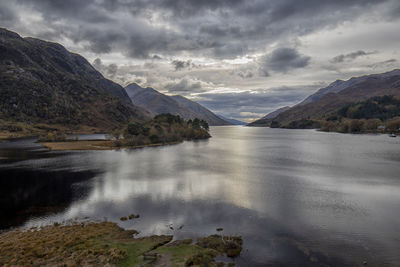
x,y
232,121
340,85
201,112
42,82
268,118
275,113
158,103
340,94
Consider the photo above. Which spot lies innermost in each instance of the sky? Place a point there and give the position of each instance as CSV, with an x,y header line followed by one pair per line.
x,y
240,58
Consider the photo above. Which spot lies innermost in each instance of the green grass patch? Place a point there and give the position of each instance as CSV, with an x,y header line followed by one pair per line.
x,y
180,254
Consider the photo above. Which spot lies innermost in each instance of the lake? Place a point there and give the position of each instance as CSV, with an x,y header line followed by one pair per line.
x,y
297,197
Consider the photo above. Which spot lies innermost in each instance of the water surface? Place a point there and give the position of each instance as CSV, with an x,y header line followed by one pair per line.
x,y
298,197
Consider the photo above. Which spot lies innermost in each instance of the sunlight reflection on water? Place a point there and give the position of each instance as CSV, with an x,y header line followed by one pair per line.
x,y
279,189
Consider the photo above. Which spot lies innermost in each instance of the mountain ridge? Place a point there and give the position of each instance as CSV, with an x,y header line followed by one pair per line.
x,y
340,85
326,101
267,118
158,103
232,121
42,82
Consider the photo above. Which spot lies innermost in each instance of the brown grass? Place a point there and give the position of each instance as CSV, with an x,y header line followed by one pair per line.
x,y
81,145
106,244
11,130
67,245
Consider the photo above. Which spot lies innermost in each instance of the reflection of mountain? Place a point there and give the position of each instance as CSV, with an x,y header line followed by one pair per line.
x,y
26,193
158,103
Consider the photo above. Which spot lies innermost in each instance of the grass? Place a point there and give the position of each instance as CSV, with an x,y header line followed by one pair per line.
x,y
12,129
134,251
106,244
181,253
80,145
77,244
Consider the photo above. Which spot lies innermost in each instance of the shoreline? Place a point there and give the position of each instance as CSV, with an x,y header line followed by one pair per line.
x,y
322,131
96,145
107,244
6,136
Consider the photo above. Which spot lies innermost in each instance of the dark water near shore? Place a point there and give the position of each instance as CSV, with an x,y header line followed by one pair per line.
x,y
297,197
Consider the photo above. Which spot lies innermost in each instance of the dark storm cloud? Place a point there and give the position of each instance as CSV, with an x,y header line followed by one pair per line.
x,y
184,86
350,56
181,64
220,29
185,8
283,60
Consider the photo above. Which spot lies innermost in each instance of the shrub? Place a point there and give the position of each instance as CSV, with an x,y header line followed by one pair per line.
x,y
275,124
393,125
356,126
154,138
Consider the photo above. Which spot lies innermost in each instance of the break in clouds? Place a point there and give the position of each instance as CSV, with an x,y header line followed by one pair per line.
x,y
241,59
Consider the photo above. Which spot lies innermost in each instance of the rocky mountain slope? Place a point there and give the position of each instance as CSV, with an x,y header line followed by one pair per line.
x,y
158,103
42,82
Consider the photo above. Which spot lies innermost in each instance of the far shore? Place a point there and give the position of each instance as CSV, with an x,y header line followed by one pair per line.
x,y
4,136
95,145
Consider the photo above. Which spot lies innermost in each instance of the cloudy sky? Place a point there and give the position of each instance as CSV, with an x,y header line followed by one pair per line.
x,y
240,58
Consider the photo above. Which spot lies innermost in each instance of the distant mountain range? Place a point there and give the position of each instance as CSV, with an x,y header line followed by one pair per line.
x,y
42,82
335,96
233,121
158,103
267,118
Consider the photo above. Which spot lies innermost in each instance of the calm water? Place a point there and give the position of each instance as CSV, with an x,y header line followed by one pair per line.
x,y
297,197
